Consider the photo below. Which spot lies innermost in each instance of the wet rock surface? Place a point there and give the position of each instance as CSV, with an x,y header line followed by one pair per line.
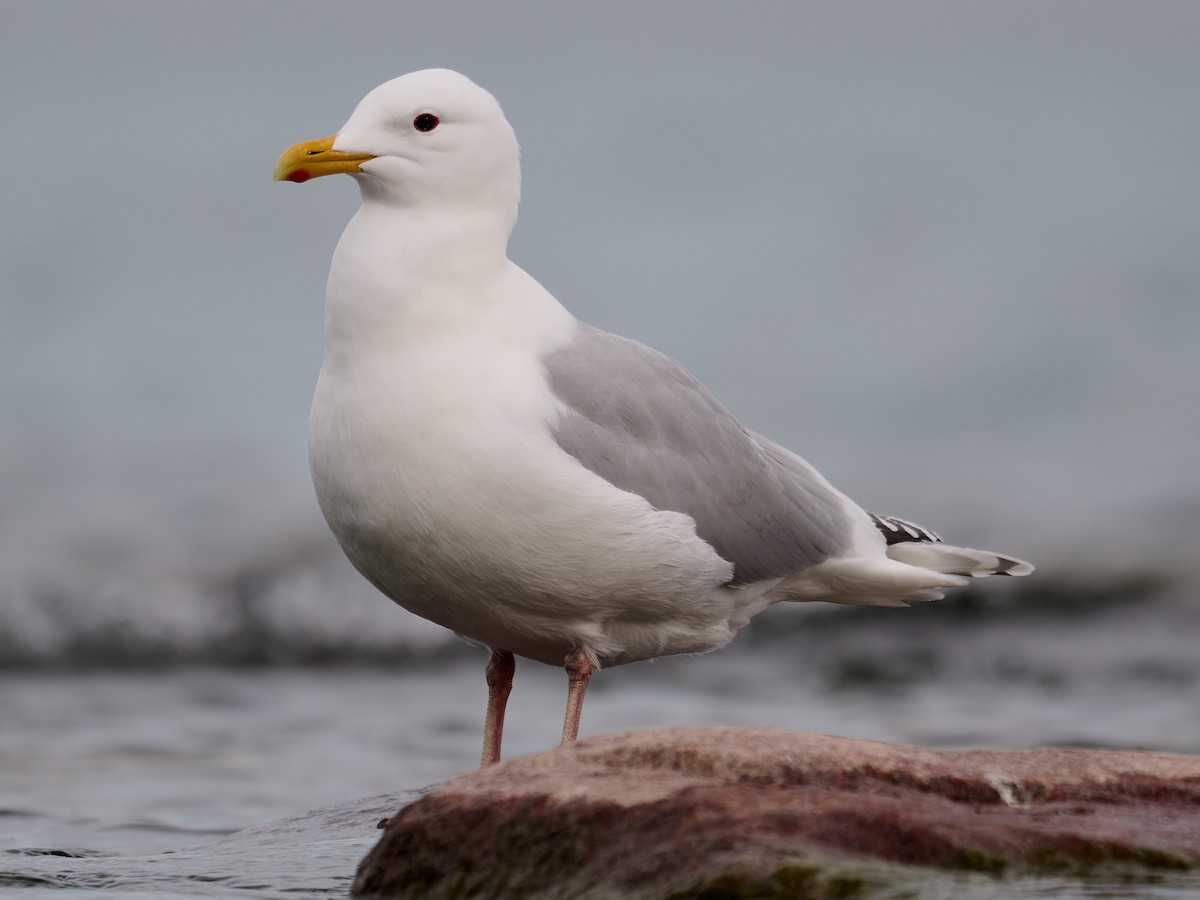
x,y
743,812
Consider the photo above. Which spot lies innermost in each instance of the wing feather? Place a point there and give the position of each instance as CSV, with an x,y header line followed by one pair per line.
x,y
639,420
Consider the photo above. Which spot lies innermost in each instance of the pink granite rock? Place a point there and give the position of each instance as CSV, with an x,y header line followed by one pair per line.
x,y
738,812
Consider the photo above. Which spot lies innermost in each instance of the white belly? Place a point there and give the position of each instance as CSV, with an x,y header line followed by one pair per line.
x,y
438,474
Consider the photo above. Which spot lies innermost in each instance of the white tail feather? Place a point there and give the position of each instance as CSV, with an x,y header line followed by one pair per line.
x,y
957,560
867,581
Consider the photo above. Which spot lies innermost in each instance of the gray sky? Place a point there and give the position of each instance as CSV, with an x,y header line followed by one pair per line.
x,y
944,250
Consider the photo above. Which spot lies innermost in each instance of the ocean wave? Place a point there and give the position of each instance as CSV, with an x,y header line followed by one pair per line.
x,y
97,586
306,606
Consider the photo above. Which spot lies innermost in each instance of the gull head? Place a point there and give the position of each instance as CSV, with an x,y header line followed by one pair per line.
x,y
429,138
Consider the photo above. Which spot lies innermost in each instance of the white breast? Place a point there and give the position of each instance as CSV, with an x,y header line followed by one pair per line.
x,y
434,465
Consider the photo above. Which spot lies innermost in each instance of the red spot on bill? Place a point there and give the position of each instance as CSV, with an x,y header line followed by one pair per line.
x,y
299,176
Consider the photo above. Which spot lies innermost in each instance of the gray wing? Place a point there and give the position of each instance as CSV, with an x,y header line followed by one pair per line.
x,y
640,421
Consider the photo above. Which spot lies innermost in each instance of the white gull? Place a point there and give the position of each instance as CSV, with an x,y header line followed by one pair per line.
x,y
537,485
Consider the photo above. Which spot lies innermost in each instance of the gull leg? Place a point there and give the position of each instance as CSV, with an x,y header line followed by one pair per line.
x,y
499,674
579,668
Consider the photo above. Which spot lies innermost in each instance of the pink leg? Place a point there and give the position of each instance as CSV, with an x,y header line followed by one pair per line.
x,y
579,671
499,672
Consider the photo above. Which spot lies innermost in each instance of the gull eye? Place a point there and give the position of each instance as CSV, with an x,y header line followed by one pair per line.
x,y
425,122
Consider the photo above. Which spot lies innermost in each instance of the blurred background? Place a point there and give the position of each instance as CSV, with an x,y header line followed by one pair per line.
x,y
945,251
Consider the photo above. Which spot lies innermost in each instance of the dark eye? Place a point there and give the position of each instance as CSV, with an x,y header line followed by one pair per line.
x,y
425,122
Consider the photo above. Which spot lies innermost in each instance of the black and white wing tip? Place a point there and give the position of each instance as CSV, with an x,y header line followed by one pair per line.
x,y
917,546
897,531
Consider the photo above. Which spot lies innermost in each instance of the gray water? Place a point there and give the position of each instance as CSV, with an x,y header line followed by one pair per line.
x,y
268,782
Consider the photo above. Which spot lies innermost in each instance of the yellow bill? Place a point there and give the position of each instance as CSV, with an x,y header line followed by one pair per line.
x,y
312,159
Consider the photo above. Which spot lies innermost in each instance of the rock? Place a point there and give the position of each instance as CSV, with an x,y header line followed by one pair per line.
x,y
739,812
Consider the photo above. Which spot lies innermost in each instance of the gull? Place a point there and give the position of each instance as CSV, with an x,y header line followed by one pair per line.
x,y
530,482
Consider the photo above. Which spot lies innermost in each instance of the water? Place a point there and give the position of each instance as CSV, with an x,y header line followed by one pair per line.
x,y
268,782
